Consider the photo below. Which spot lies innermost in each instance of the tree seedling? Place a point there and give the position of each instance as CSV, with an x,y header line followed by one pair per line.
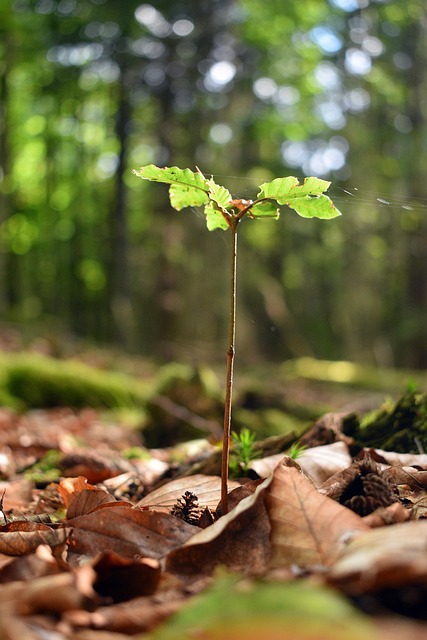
x,y
192,189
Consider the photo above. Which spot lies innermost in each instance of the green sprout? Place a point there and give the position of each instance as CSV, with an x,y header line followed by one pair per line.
x,y
296,450
243,452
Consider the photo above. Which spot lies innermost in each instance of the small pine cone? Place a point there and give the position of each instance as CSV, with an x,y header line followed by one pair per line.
x,y
362,505
376,487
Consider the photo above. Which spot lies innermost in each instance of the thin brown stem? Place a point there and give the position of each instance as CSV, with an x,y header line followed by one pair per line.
x,y
230,370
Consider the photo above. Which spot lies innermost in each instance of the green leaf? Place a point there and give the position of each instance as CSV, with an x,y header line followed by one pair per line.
x,y
264,209
214,218
219,194
307,199
216,210
317,207
278,189
188,189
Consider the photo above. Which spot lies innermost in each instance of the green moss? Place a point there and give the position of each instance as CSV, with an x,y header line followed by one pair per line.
x,y
397,426
46,469
32,381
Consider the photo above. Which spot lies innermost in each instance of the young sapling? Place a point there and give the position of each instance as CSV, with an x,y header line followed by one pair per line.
x,y
192,189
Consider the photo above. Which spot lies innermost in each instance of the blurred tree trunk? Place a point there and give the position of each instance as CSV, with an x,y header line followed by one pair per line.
x,y
415,169
120,293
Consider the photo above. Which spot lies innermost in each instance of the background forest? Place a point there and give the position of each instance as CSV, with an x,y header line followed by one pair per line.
x,y
247,90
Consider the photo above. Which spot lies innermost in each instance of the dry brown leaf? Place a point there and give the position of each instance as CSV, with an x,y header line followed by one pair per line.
x,y
263,467
22,568
54,593
307,528
388,557
206,488
94,466
17,494
403,459
416,480
392,514
320,463
87,501
129,532
238,540
134,616
70,487
21,537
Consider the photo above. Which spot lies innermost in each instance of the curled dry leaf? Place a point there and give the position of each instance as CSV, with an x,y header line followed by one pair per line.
x,y
88,500
21,537
238,540
388,557
407,476
70,487
397,459
307,528
392,514
206,488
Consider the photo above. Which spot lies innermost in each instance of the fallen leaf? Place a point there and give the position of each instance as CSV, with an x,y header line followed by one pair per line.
x,y
92,465
392,514
127,531
28,567
138,615
238,541
390,561
307,528
403,459
320,463
21,537
55,594
206,488
87,501
263,467
70,487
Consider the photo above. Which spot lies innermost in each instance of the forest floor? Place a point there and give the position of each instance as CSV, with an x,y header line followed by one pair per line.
x,y
105,537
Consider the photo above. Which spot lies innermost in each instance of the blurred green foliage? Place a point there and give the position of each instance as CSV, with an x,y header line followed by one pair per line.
x,y
233,608
246,90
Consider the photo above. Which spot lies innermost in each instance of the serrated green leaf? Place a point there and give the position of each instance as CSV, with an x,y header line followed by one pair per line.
x,y
264,209
219,199
219,194
306,199
214,218
188,188
318,207
278,189
182,196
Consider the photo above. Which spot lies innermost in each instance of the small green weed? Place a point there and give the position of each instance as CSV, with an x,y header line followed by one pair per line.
x,y
296,450
243,452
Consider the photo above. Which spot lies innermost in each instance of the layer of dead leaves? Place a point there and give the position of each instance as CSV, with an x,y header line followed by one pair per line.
x,y
115,547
